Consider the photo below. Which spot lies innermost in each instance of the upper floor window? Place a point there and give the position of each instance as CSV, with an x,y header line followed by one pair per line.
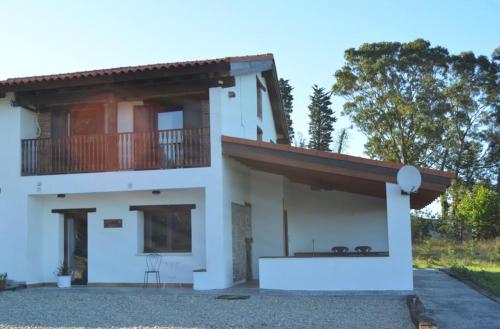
x,y
155,117
260,89
170,120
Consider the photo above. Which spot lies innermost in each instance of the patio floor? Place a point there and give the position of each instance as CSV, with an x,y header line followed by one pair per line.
x,y
185,308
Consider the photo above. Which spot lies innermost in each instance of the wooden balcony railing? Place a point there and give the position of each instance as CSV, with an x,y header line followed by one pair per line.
x,y
163,149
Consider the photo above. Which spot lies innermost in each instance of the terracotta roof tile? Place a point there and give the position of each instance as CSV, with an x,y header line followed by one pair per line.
x,y
129,69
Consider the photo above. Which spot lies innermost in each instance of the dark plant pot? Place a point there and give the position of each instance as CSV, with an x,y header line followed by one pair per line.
x,y
3,284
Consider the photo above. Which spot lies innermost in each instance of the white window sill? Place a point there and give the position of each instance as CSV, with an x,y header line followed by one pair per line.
x,y
166,254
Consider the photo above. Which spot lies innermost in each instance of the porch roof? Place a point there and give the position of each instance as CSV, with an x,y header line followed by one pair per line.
x,y
332,171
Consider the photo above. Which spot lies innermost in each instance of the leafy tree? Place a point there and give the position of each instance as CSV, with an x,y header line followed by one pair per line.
x,y
452,225
419,105
394,95
479,208
423,225
471,94
287,98
470,138
492,135
321,119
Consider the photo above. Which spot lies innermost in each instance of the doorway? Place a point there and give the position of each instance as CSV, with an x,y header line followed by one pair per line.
x,y
242,242
75,245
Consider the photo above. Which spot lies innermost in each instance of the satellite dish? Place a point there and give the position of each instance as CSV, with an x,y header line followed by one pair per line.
x,y
409,179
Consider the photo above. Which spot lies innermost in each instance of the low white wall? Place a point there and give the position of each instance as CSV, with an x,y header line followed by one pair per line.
x,y
342,273
113,253
333,218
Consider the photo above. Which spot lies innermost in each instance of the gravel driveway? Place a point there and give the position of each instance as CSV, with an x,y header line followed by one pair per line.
x,y
184,308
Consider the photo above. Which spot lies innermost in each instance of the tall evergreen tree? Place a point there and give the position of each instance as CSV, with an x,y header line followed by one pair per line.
x,y
287,98
321,119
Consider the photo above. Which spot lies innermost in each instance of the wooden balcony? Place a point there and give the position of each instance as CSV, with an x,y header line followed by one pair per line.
x,y
163,149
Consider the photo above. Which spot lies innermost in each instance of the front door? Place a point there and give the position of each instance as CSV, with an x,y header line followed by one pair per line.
x,y
75,245
242,242
86,127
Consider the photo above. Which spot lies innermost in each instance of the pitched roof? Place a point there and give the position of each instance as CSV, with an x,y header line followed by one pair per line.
x,y
326,170
130,69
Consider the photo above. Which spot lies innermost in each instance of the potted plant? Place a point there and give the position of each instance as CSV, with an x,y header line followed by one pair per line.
x,y
63,275
3,281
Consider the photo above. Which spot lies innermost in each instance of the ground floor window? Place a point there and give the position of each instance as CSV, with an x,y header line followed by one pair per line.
x,y
167,228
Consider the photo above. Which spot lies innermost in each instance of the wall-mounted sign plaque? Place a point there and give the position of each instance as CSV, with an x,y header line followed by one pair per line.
x,y
112,223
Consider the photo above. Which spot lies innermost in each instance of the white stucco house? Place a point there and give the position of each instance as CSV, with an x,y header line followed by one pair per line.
x,y
191,160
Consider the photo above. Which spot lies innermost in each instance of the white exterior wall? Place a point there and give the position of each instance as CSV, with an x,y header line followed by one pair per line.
x,y
239,114
115,255
13,202
351,273
267,217
266,123
333,218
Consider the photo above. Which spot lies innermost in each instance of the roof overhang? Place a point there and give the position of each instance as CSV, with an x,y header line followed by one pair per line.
x,y
331,171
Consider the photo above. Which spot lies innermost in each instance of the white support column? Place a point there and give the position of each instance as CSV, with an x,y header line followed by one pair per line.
x,y
218,270
399,236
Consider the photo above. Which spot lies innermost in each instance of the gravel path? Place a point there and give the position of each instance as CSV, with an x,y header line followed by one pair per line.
x,y
177,308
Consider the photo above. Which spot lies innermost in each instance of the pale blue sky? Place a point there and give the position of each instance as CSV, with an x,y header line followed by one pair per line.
x,y
307,38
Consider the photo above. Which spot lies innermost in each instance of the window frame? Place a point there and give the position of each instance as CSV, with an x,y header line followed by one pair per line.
x,y
260,105
184,211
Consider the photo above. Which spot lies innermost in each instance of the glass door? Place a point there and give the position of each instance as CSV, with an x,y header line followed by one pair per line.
x,y
170,137
75,246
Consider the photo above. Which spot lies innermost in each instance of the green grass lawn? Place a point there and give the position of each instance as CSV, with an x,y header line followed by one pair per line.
x,y
477,261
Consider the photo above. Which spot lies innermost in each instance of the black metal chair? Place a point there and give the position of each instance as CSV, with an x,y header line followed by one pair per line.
x,y
153,263
363,249
340,250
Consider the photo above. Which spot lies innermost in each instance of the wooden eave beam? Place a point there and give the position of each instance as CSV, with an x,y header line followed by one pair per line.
x,y
219,69
107,93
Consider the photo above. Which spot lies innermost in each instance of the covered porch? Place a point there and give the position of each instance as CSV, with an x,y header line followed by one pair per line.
x,y
344,223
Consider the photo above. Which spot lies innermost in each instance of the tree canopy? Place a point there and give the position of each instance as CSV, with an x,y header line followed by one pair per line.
x,y
417,104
